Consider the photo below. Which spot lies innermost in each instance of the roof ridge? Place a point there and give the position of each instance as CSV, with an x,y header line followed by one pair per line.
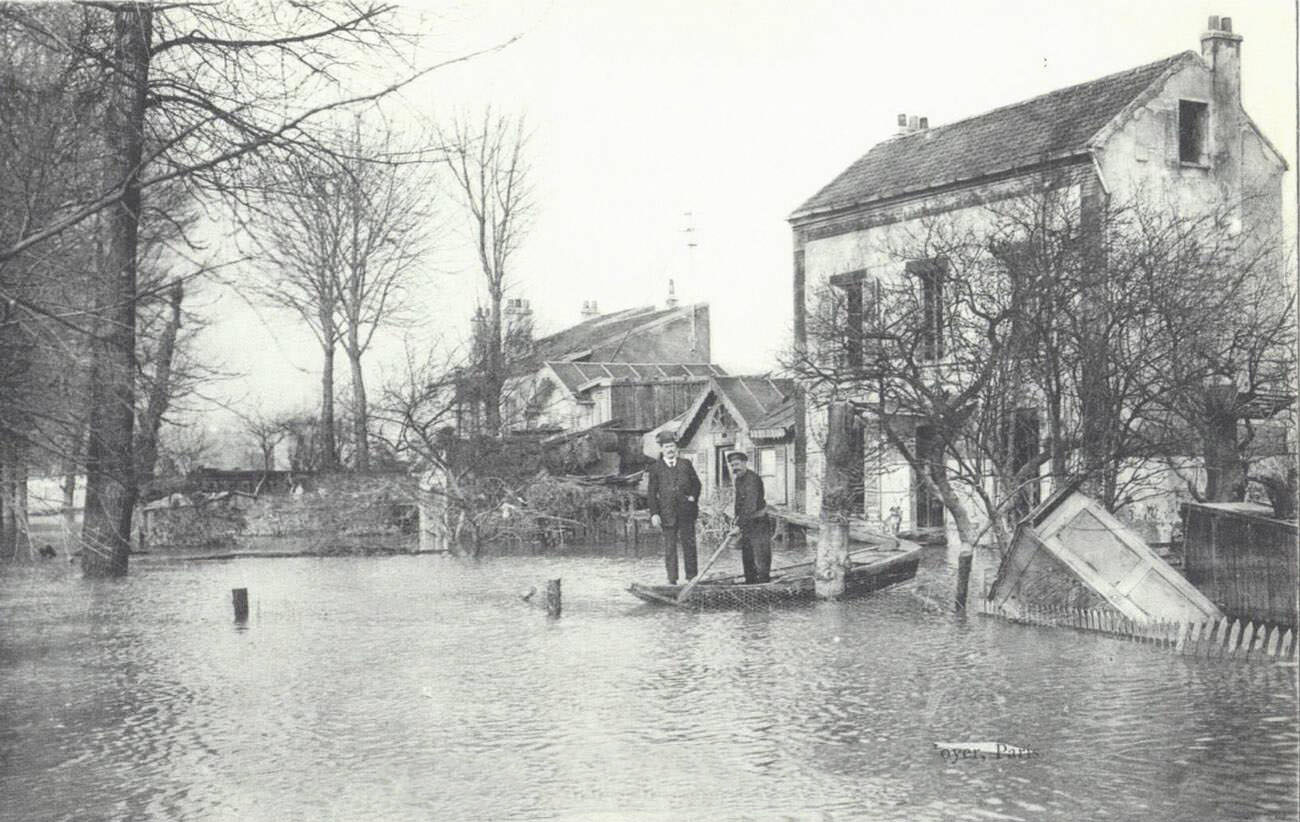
x,y
1044,95
1056,124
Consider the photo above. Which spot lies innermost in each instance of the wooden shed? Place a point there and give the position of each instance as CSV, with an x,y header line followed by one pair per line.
x,y
1072,553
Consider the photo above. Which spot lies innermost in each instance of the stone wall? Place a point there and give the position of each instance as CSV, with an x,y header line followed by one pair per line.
x,y
332,508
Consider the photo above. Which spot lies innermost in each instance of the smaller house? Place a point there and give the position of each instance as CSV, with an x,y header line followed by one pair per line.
x,y
754,414
566,380
640,396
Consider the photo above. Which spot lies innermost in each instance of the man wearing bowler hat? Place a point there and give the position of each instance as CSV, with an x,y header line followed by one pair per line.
x,y
751,519
674,493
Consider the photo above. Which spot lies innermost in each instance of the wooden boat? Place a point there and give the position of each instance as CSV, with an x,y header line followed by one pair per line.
x,y
887,563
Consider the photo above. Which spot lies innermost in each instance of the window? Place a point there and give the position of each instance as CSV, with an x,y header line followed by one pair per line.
x,y
861,308
1193,128
1024,450
931,275
721,471
929,454
769,464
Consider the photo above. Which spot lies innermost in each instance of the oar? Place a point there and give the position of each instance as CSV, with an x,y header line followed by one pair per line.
x,y
681,597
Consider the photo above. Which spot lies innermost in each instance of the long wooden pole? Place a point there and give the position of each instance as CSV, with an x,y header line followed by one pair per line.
x,y
681,597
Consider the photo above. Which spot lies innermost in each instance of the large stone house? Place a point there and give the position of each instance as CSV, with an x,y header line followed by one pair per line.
x,y
1175,126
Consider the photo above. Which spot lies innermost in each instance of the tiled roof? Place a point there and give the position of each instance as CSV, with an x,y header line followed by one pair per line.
x,y
576,374
1054,125
597,333
781,416
753,397
749,398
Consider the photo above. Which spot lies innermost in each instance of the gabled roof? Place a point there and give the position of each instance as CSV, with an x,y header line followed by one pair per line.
x,y
599,337
575,375
749,399
779,419
1053,126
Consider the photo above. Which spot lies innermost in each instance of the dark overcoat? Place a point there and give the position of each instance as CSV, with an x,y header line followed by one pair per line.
x,y
674,492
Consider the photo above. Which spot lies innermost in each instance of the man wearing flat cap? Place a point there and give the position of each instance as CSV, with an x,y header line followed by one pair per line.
x,y
674,504
751,519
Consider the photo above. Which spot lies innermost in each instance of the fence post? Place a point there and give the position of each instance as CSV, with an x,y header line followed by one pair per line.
x,y
963,576
553,598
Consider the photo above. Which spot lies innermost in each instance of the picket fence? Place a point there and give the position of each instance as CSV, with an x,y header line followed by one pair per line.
x,y
1225,638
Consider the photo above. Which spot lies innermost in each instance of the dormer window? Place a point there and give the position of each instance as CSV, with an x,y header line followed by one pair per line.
x,y
1193,132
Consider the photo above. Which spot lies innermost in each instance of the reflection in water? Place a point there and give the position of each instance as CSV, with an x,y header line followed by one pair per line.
x,y
421,687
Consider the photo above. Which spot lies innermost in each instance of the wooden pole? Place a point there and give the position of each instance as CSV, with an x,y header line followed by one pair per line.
x,y
837,503
963,577
553,598
239,596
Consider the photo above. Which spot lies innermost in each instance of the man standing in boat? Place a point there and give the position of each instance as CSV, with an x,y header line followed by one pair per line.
x,y
751,519
674,493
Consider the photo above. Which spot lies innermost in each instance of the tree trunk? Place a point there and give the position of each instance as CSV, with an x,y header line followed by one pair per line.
x,y
360,413
495,378
146,452
69,504
8,517
329,448
837,502
110,480
1225,470
22,525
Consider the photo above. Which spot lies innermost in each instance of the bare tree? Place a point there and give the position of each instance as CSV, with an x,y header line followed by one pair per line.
x,y
267,431
487,163
184,92
301,236
1118,331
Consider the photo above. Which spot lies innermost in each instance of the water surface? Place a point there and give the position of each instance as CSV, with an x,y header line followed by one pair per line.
x,y
422,687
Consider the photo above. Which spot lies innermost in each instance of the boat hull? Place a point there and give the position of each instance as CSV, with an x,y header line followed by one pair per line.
x,y
867,572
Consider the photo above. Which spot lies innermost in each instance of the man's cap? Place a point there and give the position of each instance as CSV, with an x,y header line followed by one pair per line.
x,y
737,455
666,436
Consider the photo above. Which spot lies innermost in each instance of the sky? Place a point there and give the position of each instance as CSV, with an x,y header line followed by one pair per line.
x,y
735,112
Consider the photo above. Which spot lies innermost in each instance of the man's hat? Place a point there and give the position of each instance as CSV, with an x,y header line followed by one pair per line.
x,y
737,455
666,436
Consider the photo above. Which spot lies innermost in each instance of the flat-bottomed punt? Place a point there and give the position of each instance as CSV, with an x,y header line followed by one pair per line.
x,y
879,566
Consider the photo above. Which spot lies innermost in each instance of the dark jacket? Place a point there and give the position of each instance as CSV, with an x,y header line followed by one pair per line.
x,y
670,489
749,500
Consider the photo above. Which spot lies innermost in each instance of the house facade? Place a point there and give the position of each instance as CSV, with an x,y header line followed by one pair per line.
x,y
566,380
1172,130
753,414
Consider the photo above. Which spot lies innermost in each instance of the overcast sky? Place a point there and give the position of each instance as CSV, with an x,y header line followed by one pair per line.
x,y
736,112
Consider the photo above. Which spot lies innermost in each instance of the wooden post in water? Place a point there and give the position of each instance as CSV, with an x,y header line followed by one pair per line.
x,y
553,598
964,560
832,556
239,597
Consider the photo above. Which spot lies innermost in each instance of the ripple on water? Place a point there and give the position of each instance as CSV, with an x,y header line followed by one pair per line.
x,y
410,687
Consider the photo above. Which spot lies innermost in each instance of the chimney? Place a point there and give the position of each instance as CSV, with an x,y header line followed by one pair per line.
x,y
1221,50
671,302
911,124
516,312
589,309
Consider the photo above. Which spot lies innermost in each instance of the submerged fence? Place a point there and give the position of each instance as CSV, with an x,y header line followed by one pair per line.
x,y
1230,638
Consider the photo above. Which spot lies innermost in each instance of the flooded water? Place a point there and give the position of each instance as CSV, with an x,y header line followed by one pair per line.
x,y
422,687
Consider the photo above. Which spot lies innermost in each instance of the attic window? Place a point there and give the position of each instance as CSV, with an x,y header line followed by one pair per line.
x,y
1193,122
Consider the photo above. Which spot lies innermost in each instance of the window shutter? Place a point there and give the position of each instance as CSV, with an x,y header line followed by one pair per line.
x,y
778,484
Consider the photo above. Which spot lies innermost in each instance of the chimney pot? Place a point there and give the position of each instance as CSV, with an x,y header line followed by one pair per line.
x,y
1214,22
925,123
912,123
1225,24
902,121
